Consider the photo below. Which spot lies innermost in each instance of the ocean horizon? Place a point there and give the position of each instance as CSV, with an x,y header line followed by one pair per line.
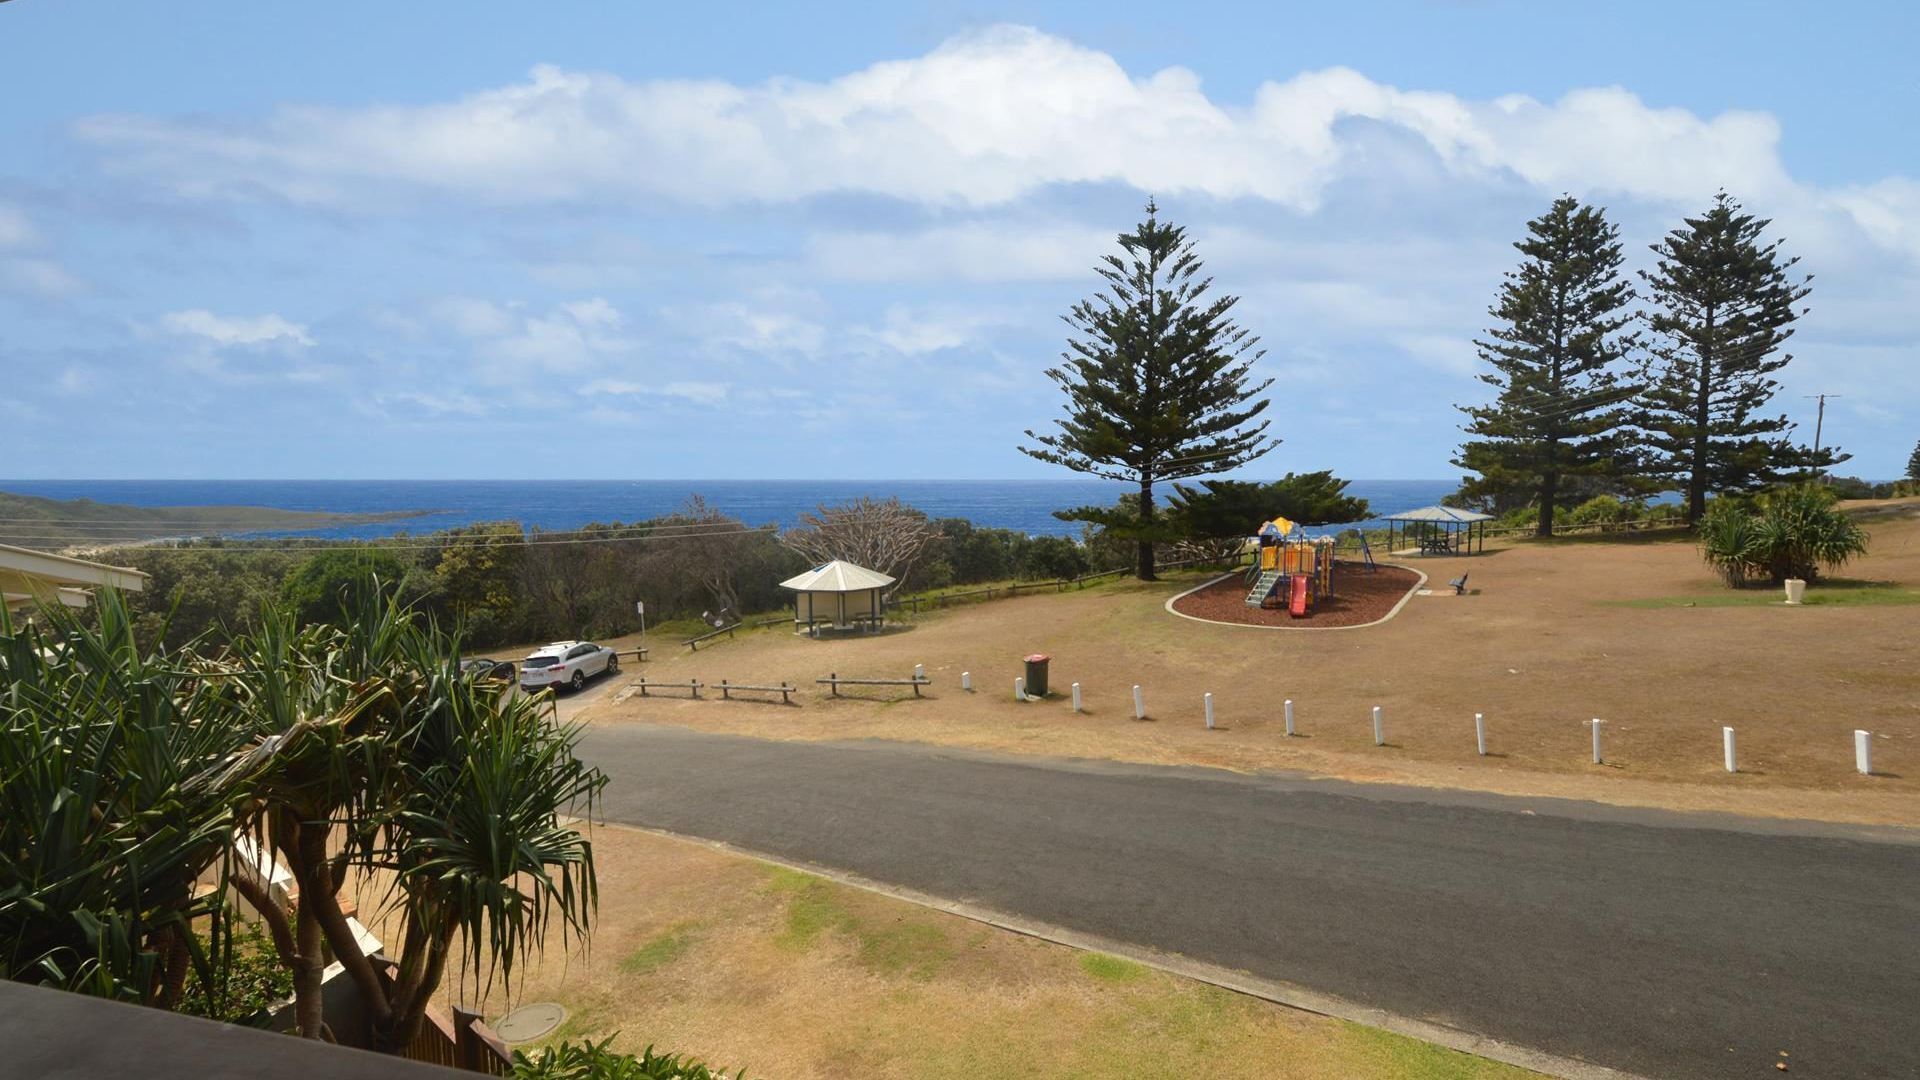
x,y
1026,505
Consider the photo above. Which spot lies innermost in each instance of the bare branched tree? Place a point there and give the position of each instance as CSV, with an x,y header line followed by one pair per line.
x,y
707,547
879,534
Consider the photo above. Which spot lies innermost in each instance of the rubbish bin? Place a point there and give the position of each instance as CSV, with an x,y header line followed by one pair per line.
x,y
1037,675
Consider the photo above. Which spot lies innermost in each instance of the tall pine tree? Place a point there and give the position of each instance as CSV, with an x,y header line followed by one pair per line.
x,y
1562,334
1724,304
1156,377
1913,463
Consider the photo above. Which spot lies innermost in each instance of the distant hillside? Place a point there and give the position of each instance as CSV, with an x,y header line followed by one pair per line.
x,y
57,525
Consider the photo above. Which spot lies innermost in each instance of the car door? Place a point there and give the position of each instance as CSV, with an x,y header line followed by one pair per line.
x,y
598,659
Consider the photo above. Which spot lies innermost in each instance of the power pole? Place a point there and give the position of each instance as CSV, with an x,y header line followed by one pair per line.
x,y
1819,420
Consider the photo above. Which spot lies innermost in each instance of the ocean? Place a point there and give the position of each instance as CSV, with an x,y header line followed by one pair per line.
x,y
1025,505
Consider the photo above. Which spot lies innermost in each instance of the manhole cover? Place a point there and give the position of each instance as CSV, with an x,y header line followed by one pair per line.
x,y
529,1021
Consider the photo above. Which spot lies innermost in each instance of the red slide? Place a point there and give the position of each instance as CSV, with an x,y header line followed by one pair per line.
x,y
1297,606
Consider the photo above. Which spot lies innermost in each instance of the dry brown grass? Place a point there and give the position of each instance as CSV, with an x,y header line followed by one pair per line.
x,y
794,977
1549,639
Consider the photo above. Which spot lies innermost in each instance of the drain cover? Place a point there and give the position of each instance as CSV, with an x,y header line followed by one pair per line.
x,y
529,1021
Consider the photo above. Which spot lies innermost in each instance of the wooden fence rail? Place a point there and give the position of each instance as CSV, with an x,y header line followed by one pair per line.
x,y
694,643
834,680
786,692
646,684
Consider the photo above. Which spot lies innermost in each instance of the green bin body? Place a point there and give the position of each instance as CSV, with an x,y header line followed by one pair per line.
x,y
1037,675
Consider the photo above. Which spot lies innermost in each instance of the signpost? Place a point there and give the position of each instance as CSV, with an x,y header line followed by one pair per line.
x,y
641,607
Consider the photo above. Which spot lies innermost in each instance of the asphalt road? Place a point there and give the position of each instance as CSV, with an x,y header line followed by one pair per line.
x,y
1663,944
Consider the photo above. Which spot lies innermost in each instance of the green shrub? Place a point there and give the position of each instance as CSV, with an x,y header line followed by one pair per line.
x,y
593,1061
249,982
1792,533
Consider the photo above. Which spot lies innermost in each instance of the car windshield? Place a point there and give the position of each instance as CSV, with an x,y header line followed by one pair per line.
x,y
540,661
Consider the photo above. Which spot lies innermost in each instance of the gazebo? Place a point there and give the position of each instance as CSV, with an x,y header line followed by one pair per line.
x,y
840,595
1443,530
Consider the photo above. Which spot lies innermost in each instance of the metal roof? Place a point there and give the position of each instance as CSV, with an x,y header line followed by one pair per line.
x,y
1440,513
837,577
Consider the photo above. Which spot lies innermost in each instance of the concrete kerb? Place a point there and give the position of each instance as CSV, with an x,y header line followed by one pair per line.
x,y
1411,591
1280,993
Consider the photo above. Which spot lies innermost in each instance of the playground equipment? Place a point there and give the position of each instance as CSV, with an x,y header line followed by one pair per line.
x,y
1293,569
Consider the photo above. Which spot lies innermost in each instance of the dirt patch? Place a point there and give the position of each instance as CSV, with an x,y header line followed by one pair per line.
x,y
1360,596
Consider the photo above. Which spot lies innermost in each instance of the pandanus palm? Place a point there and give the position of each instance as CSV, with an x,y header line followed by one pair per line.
x,y
382,758
118,792
358,750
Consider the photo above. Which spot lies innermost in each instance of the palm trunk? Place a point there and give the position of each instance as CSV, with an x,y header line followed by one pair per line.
x,y
309,974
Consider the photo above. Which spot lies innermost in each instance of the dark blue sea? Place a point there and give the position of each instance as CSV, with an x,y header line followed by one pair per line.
x,y
1025,505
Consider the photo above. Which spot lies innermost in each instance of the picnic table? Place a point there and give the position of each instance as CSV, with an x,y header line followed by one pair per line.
x,y
1438,544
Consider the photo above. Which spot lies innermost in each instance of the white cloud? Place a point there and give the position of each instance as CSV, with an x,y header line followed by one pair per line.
x,y
225,331
438,403
24,267
916,331
976,251
983,119
700,393
760,328
15,230
512,346
41,277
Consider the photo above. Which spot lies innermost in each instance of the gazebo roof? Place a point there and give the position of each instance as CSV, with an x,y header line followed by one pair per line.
x,y
1440,513
837,577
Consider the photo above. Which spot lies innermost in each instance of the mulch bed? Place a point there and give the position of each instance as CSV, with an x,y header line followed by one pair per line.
x,y
1360,596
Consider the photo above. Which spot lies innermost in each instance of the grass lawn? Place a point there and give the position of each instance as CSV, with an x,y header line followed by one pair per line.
x,y
792,977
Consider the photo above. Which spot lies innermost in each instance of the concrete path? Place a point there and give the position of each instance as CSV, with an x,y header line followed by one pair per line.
x,y
1662,944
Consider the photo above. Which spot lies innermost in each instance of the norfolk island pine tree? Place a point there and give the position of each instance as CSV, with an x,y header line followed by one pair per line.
x,y
1724,303
1561,407
1156,377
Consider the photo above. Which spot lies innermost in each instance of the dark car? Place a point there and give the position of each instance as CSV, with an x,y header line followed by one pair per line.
x,y
481,667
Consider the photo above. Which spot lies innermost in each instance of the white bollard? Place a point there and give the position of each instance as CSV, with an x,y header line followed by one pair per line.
x,y
1019,688
1139,704
1726,739
919,671
1863,752
1076,697
1379,733
1289,716
1597,759
1209,700
1480,733
966,680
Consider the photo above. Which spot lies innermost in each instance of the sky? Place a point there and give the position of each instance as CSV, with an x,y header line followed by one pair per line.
x,y
480,240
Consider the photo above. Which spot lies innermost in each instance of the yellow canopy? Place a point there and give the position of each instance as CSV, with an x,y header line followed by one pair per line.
x,y
1281,525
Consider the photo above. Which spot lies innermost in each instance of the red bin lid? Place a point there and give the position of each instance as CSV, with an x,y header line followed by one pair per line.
x,y
1038,658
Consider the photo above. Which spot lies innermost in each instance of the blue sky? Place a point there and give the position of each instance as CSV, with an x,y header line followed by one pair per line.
x,y
510,240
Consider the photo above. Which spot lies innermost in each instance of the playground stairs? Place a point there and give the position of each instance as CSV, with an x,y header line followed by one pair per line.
x,y
1268,578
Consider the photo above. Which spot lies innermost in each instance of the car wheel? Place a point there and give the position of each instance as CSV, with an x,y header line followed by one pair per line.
x,y
579,680
613,663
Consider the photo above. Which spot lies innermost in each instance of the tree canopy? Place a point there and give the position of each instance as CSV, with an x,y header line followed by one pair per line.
x,y
1227,509
1157,378
1725,300
1561,411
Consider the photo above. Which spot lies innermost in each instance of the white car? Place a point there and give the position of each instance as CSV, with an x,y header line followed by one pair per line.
x,y
566,663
